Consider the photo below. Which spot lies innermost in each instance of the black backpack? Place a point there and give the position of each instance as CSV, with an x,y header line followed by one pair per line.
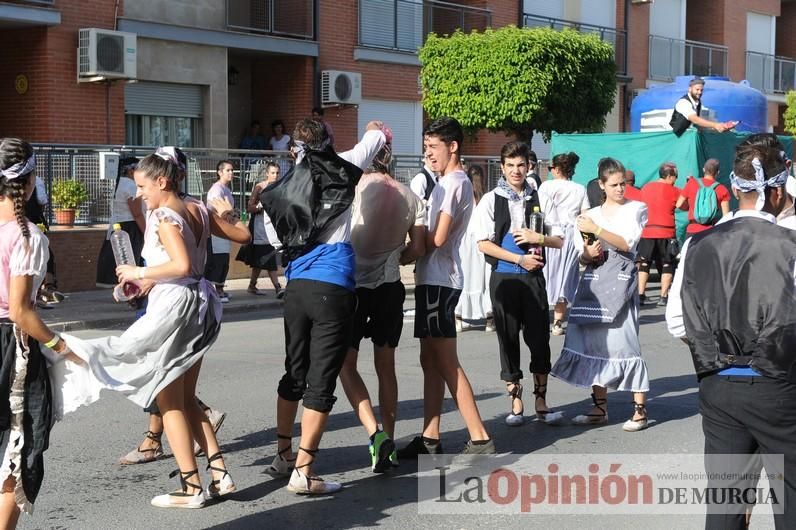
x,y
311,195
430,183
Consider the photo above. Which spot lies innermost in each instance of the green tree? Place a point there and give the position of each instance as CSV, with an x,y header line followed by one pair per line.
x,y
789,117
519,80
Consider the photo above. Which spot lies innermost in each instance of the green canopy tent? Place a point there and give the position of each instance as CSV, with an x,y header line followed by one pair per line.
x,y
645,152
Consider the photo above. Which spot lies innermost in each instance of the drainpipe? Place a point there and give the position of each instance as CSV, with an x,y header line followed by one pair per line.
x,y
316,64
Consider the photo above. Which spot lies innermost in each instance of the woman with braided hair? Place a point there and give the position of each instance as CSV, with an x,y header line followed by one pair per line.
x,y
26,407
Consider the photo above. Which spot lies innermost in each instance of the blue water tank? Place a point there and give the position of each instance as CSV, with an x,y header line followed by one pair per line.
x,y
729,101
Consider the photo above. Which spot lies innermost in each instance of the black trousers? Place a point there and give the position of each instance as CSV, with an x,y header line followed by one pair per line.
x,y
747,415
318,318
519,305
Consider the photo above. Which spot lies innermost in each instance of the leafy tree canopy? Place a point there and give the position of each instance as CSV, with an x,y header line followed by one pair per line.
x,y
789,117
519,80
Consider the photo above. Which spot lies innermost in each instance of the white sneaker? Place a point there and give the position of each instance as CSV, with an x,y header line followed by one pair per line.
x,y
301,484
490,326
459,325
515,420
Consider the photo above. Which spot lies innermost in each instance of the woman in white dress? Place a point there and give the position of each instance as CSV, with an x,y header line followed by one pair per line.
x,y
562,201
602,349
280,141
474,303
159,356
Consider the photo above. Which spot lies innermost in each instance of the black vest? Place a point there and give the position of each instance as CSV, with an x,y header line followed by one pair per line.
x,y
311,195
680,123
503,223
739,298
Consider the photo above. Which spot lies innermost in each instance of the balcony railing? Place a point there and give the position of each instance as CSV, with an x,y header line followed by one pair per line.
x,y
616,37
402,25
669,58
282,18
770,73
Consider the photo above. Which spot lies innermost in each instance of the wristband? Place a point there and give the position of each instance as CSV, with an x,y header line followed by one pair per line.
x,y
139,272
599,231
541,239
519,261
53,341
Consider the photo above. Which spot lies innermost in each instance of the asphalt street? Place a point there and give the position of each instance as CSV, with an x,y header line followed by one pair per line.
x,y
84,487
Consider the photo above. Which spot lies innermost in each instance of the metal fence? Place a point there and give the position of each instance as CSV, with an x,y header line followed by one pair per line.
x,y
284,18
770,73
82,163
669,58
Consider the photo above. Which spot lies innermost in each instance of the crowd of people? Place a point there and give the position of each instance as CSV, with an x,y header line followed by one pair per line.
x,y
345,226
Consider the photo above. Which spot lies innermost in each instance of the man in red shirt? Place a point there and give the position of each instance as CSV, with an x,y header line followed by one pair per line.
x,y
687,197
661,198
632,193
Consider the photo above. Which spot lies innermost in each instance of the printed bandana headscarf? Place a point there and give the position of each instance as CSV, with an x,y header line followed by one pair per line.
x,y
504,190
19,169
760,183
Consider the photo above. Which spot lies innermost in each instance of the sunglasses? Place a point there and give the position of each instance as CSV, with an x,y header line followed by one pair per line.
x,y
550,168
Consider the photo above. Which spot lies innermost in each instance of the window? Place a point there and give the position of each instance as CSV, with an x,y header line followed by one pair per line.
x,y
163,114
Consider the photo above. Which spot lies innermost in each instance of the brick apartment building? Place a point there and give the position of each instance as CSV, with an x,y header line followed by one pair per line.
x,y
204,70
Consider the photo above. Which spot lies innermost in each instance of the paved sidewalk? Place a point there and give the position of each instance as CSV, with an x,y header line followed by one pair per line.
x,y
97,309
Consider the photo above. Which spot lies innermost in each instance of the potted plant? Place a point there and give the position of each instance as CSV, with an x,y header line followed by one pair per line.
x,y
67,196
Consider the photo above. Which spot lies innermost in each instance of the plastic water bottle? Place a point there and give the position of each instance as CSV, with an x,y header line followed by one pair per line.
x,y
123,253
537,225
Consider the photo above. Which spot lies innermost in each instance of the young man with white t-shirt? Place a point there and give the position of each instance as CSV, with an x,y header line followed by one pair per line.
x,y
437,291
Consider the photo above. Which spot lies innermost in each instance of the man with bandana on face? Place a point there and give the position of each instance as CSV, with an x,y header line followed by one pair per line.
x,y
733,301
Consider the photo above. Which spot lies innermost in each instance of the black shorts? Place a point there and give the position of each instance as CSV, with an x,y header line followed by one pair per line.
x,y
379,315
435,309
654,251
258,256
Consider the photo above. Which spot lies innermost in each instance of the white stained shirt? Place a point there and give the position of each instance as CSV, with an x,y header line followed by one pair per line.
x,y
418,182
120,210
281,144
219,191
562,201
453,195
686,106
339,230
483,226
384,212
674,307
628,222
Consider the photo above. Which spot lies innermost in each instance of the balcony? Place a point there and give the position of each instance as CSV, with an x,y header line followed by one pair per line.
x,y
616,37
669,58
402,25
280,18
769,73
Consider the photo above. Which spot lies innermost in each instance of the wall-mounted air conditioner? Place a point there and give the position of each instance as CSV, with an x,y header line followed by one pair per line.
x,y
106,54
340,88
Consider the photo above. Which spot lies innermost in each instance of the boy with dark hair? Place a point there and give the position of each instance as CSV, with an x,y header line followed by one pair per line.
x,y
438,287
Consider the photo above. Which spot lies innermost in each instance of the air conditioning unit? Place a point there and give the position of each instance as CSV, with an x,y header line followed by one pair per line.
x,y
340,88
106,54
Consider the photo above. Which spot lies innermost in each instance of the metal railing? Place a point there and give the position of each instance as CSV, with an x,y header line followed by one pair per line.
x,y
403,25
770,73
284,18
616,37
669,58
82,163
35,2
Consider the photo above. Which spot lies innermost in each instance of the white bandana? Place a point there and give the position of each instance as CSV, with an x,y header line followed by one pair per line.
x,y
19,169
760,183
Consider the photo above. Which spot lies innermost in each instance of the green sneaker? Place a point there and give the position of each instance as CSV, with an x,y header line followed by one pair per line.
x,y
380,449
394,459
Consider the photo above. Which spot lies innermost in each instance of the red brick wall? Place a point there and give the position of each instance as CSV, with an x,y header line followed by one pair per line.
x,y
56,108
786,37
637,48
734,23
282,88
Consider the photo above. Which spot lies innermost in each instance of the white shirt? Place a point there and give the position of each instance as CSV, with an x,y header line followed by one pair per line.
x,y
120,209
339,230
482,228
418,182
453,195
686,106
281,144
674,307
562,201
219,191
41,191
627,222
